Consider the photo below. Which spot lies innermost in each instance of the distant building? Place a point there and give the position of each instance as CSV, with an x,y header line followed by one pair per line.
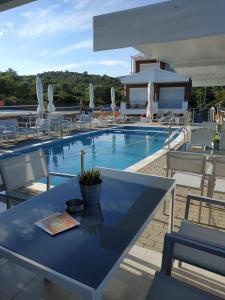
x,y
171,91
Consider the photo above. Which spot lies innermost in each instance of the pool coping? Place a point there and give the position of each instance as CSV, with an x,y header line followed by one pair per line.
x,y
144,162
133,168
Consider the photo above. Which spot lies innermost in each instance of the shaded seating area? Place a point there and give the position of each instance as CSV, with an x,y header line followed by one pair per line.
x,y
196,245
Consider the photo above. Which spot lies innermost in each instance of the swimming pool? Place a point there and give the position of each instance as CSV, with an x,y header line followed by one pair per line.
x,y
116,148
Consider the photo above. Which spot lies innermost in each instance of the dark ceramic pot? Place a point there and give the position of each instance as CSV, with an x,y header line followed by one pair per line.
x,y
91,193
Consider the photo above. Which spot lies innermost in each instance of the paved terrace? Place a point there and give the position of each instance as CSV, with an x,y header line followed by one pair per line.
x,y
134,277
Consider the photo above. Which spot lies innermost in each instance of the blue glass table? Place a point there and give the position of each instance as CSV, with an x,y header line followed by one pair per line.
x,y
82,259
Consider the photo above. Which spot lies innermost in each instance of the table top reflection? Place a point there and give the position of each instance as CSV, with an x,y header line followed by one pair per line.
x,y
88,252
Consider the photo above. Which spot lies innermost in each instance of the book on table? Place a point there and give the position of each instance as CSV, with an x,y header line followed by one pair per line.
x,y
57,223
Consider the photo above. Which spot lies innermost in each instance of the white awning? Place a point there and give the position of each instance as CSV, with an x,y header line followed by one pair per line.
x,y
8,4
204,75
180,32
155,75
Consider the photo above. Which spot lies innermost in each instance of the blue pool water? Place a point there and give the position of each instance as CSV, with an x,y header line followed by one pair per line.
x,y
118,149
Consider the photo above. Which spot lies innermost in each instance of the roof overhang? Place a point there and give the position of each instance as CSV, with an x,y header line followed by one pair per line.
x,y
180,32
8,4
155,75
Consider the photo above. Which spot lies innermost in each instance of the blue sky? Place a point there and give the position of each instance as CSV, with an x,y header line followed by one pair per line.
x,y
53,35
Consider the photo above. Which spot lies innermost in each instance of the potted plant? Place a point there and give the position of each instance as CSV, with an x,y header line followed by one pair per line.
x,y
216,142
90,185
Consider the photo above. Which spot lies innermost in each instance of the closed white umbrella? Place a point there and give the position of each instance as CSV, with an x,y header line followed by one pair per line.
x,y
113,100
40,97
51,106
91,96
212,114
149,112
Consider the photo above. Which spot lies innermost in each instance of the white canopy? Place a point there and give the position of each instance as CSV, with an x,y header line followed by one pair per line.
x,y
180,32
204,75
156,75
51,106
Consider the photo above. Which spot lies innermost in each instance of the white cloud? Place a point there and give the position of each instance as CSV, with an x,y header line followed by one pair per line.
x,y
6,27
9,25
112,62
75,66
27,14
77,16
80,45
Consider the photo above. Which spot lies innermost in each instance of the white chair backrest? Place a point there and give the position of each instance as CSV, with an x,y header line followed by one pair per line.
x,y
219,166
23,169
202,137
186,162
42,123
86,118
209,125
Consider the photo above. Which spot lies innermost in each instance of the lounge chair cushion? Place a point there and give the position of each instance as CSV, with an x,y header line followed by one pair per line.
x,y
168,288
188,179
220,185
197,257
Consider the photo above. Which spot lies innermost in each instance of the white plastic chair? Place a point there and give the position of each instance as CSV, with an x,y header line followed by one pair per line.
x,y
202,137
217,179
187,168
41,126
20,174
11,128
59,124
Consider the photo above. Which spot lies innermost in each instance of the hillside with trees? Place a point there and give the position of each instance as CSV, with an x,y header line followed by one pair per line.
x,y
71,87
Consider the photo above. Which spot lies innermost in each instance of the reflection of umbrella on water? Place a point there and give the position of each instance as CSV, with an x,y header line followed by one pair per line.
x,y
114,143
93,149
87,141
126,139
